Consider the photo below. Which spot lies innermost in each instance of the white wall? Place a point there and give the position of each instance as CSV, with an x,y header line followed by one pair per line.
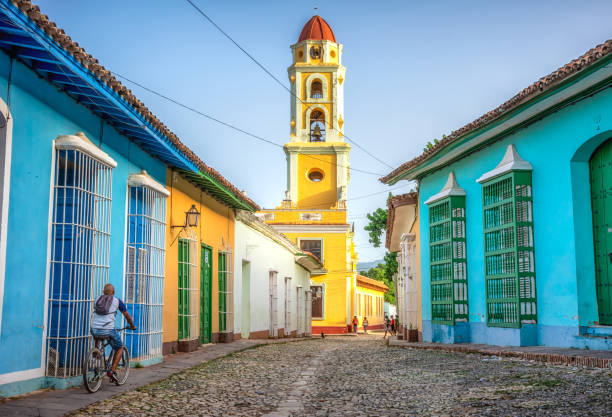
x,y
265,255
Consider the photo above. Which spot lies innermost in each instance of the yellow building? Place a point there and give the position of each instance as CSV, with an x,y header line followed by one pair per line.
x,y
198,289
370,297
313,213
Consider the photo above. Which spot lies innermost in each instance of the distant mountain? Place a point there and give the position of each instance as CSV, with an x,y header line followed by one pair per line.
x,y
365,266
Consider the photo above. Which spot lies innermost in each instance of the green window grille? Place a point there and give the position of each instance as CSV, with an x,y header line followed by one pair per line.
x,y
509,250
188,289
183,285
448,263
225,292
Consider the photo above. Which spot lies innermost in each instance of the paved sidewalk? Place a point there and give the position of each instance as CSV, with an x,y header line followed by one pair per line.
x,y
557,356
50,403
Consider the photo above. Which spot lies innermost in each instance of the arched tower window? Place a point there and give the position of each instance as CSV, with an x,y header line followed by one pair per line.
x,y
316,89
317,126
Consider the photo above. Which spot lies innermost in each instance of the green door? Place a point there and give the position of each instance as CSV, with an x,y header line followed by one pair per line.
x,y
205,294
601,200
184,312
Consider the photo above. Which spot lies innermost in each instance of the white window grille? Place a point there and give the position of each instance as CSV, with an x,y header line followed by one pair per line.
x,y
409,311
308,313
300,311
144,276
226,290
287,305
80,242
189,288
273,304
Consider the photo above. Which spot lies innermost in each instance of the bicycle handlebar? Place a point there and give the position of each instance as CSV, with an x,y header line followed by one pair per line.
x,y
124,328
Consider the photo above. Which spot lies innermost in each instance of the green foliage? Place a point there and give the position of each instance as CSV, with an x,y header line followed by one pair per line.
x,y
377,225
384,271
378,273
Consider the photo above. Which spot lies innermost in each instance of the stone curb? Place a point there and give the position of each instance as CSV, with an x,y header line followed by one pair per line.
x,y
552,358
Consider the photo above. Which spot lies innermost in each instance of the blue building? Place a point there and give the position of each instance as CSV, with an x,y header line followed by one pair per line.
x,y
515,209
82,203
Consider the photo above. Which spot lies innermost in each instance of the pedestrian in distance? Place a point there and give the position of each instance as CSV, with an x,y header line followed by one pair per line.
x,y
365,325
397,324
386,326
355,323
392,326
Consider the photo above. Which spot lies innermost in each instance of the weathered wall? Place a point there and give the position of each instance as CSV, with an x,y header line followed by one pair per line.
x,y
215,229
264,255
558,147
40,113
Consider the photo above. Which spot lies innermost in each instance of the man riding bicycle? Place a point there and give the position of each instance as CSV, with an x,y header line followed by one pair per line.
x,y
103,324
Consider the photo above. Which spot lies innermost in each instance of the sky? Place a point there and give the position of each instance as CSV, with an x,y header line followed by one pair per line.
x,y
415,71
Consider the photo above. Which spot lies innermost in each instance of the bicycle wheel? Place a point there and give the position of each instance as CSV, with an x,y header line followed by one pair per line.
x,y
123,368
93,369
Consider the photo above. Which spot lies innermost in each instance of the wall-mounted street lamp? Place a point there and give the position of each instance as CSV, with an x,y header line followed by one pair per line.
x,y
191,218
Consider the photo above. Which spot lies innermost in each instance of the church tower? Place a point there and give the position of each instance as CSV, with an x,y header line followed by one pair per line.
x,y
313,212
317,156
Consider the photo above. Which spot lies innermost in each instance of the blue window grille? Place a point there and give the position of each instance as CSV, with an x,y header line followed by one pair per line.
x,y
144,272
79,261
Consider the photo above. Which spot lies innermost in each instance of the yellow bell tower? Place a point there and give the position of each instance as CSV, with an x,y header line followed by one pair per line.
x,y
313,213
317,156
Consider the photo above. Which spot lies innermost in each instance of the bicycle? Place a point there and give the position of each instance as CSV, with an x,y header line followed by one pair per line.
x,y
96,365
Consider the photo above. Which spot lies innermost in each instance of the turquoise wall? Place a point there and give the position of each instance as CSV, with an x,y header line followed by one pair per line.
x,y
40,113
558,147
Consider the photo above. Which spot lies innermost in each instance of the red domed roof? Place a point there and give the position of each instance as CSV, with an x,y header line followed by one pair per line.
x,y
317,29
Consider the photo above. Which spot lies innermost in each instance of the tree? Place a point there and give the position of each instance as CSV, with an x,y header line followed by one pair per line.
x,y
377,225
379,273
385,271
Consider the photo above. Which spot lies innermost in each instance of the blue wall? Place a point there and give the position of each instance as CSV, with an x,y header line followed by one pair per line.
x,y
40,113
558,147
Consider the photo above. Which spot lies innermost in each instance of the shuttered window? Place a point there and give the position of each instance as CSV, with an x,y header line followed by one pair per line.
x,y
448,264
226,281
317,301
80,251
509,250
313,246
144,275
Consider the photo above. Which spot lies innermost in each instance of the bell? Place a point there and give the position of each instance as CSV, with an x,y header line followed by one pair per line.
x,y
316,134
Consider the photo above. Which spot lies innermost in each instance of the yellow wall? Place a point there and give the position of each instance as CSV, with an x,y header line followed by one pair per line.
x,y
215,226
293,216
378,315
334,259
321,194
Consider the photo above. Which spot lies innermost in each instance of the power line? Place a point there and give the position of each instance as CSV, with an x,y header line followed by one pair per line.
x,y
260,65
361,196
229,125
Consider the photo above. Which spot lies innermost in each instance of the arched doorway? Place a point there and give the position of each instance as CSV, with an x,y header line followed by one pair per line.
x,y
600,167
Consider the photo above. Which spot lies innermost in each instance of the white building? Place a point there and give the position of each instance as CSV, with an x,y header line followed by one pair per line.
x,y
271,283
402,239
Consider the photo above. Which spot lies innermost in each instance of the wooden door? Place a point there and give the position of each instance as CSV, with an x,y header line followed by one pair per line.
x,y
601,200
205,294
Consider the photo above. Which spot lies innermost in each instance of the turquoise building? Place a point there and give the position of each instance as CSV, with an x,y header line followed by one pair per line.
x,y
516,217
77,208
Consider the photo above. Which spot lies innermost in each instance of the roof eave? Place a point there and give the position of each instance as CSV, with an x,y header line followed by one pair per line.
x,y
585,81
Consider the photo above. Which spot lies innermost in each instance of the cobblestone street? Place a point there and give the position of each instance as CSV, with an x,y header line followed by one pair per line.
x,y
361,376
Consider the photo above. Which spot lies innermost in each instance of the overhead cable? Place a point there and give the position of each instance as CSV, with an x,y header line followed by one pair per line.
x,y
260,65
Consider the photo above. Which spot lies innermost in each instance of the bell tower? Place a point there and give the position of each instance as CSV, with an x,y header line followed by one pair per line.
x,y
317,156
314,212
